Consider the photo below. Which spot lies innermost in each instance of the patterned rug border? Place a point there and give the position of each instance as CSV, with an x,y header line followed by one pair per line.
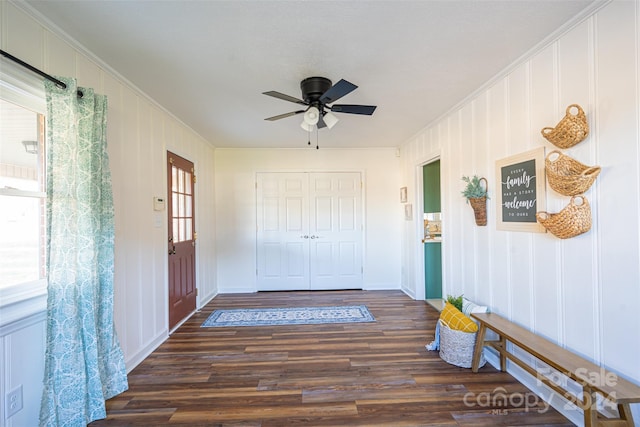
x,y
288,316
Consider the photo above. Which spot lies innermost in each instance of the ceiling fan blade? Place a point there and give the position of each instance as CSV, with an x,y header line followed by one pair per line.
x,y
354,109
284,97
282,116
337,91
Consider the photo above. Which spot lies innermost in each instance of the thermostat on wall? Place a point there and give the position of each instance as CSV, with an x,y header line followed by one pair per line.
x,y
158,203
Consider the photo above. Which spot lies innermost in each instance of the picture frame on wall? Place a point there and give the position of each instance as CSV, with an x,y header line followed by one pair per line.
x,y
408,212
521,191
403,195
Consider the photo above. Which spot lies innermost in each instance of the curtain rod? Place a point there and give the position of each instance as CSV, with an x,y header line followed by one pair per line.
x,y
29,67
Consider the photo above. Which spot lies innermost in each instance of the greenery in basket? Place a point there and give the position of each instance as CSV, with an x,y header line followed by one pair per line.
x,y
455,301
474,188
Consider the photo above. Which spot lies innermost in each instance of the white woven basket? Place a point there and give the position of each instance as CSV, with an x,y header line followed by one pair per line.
x,y
456,347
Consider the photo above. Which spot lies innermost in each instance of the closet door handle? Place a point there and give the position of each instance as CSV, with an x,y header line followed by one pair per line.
x,y
305,237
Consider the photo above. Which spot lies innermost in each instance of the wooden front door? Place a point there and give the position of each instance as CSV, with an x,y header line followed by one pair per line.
x,y
182,238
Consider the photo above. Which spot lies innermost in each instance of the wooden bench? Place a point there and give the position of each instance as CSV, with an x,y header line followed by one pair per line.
x,y
593,378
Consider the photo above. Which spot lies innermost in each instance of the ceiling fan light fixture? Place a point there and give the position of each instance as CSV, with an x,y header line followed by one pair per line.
x,y
307,127
330,119
311,116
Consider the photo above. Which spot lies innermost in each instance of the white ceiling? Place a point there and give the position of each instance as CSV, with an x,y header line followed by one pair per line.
x,y
208,62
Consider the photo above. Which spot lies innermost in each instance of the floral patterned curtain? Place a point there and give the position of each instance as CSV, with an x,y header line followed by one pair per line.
x,y
84,364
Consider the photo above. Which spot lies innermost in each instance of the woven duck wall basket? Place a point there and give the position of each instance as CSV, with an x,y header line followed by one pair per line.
x,y
573,220
568,176
572,129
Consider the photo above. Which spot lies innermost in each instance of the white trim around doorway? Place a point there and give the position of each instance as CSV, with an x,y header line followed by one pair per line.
x,y
418,224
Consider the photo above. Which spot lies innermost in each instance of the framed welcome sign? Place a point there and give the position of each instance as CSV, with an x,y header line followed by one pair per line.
x,y
521,185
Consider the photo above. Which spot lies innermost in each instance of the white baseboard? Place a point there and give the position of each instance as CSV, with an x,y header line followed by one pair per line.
x,y
380,286
207,299
237,291
137,358
411,293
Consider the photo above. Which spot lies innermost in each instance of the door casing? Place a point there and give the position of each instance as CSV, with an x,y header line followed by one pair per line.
x,y
419,261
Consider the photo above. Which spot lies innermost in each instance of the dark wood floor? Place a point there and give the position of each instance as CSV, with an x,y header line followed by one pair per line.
x,y
355,374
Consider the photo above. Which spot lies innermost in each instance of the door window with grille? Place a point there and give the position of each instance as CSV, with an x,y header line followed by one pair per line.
x,y
181,204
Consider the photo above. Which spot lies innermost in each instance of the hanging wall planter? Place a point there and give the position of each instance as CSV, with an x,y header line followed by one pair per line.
x,y
476,195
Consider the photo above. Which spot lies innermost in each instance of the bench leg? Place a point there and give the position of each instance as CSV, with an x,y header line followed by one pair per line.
x,y
589,406
477,351
624,411
503,359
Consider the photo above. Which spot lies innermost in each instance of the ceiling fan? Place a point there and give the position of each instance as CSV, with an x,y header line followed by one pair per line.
x,y
317,94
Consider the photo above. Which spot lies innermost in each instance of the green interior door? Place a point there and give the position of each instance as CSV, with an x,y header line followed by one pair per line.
x,y
432,249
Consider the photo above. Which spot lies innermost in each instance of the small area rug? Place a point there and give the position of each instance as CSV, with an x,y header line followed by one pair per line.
x,y
289,316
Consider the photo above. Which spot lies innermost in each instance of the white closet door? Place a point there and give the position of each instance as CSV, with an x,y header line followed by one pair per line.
x,y
309,231
335,228
282,231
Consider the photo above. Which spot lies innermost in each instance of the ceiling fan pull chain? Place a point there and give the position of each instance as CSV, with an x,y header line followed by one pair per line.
x,y
317,146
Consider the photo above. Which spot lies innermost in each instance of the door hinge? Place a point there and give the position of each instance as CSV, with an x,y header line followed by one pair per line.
x,y
171,160
196,291
194,178
195,236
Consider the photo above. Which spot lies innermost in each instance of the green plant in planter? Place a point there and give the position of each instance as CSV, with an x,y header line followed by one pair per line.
x,y
474,188
476,195
455,301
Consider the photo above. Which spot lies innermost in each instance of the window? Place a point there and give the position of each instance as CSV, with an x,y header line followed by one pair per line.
x,y
22,194
22,188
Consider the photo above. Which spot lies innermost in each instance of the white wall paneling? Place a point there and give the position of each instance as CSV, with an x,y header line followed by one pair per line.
x,y
139,133
617,107
20,344
578,292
